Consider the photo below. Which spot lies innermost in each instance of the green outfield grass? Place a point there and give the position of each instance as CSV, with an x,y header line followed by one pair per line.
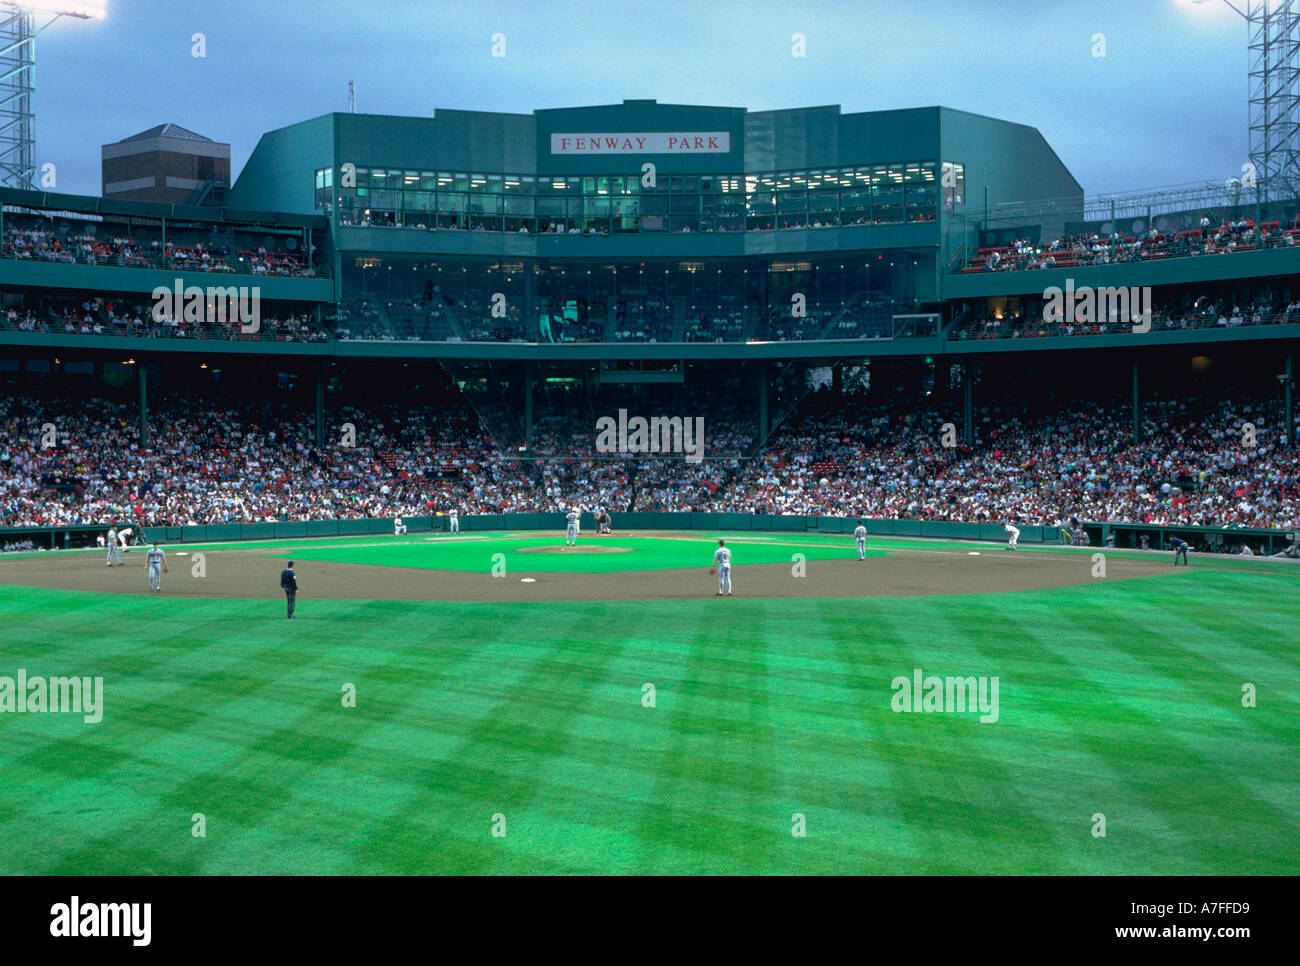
x,y
636,553
1121,698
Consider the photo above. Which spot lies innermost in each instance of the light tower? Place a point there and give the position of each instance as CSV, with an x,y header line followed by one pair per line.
x,y
1274,27
20,22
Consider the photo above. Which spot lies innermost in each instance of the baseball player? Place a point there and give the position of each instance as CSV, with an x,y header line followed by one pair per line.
x,y
454,521
124,538
399,528
722,560
289,584
157,560
571,528
860,535
1014,533
1180,550
114,551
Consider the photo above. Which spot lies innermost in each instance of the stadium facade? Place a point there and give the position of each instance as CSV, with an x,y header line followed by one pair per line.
x,y
639,250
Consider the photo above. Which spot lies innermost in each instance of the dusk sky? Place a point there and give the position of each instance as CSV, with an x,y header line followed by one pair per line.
x,y
1167,104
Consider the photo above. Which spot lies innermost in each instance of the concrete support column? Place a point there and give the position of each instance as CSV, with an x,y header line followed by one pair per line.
x,y
528,409
1137,405
142,380
320,406
968,404
1288,402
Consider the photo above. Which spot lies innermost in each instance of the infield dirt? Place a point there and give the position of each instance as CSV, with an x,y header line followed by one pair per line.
x,y
252,572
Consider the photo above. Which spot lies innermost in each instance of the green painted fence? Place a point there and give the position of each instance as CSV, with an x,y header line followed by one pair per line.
x,y
1126,535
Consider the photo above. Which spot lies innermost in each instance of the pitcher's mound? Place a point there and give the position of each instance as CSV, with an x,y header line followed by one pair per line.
x,y
583,549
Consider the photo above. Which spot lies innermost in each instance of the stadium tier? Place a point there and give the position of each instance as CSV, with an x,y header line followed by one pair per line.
x,y
211,461
846,303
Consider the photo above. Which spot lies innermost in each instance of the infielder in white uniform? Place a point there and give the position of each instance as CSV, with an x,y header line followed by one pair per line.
x,y
123,537
722,560
114,551
399,528
1014,533
860,534
157,560
454,525
571,528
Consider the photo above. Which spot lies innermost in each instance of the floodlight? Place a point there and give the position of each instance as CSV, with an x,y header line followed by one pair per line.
x,y
62,8
1274,85
20,22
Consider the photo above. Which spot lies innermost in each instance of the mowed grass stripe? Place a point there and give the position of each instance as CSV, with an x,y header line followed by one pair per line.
x,y
1060,732
961,776
1154,698
766,704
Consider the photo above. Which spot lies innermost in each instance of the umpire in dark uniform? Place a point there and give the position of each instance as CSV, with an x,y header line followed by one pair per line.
x,y
1180,550
289,584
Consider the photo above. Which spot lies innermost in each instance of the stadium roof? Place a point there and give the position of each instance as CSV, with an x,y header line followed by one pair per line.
x,y
166,131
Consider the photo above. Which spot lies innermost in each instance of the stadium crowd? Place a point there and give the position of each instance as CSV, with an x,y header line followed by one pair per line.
x,y
123,251
103,315
213,462
1263,305
1085,249
1191,468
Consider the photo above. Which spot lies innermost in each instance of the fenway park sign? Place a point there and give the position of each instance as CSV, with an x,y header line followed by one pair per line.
x,y
642,142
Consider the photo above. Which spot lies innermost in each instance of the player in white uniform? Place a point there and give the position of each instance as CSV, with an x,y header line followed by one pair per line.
x,y
722,560
124,537
454,518
157,560
1014,533
860,534
571,528
114,551
399,528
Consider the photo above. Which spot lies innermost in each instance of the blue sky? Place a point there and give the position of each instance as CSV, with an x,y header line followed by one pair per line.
x,y
1165,105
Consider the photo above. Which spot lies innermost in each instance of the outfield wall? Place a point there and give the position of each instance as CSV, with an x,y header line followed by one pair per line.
x,y
1127,535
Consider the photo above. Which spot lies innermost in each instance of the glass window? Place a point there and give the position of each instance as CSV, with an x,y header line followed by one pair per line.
x,y
792,200
417,200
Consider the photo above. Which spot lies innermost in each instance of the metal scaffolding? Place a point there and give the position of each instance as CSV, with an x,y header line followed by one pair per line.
x,y
1275,93
17,85
20,22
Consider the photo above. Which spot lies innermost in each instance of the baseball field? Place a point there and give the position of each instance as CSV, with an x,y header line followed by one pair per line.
x,y
492,703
